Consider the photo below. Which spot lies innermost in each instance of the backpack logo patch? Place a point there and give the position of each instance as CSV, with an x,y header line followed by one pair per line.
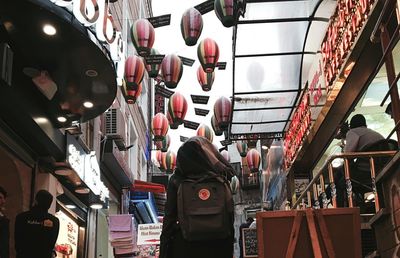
x,y
204,194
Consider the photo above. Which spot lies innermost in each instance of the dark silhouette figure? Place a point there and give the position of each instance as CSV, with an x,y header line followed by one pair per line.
x,y
4,227
36,230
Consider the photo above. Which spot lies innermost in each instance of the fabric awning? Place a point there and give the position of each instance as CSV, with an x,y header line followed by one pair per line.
x,y
143,186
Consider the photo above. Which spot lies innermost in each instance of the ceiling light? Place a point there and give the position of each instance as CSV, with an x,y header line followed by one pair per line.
x,y
70,206
91,73
49,30
82,190
63,171
41,120
62,119
370,196
88,104
96,206
264,147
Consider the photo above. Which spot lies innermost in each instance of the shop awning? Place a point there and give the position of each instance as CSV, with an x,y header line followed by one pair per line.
x,y
142,186
271,68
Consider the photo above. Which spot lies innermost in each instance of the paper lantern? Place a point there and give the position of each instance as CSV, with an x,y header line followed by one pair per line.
x,y
215,127
234,184
131,95
206,80
206,132
225,154
169,161
222,112
226,11
171,70
191,26
163,145
159,158
208,54
143,35
134,72
152,69
171,123
242,148
253,159
159,126
177,107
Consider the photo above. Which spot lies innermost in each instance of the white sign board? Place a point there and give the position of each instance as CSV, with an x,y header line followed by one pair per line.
x,y
67,241
149,234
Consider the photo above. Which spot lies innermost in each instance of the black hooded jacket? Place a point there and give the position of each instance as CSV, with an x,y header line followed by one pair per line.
x,y
195,157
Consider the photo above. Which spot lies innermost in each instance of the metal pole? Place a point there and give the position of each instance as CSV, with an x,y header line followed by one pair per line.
x,y
349,188
332,184
372,165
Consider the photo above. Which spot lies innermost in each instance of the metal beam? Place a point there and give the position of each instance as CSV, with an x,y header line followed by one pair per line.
x,y
258,123
278,54
283,20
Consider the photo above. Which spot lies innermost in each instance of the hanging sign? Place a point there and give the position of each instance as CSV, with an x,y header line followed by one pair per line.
x,y
94,13
160,21
67,240
149,234
186,61
183,138
205,7
198,99
201,112
154,59
221,65
190,124
166,93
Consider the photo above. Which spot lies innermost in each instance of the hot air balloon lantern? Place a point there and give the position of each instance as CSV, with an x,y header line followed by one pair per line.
x,y
169,161
134,72
242,148
225,154
163,145
159,126
177,108
206,80
162,161
215,127
171,122
206,132
234,184
171,70
253,159
222,112
208,54
152,69
226,11
191,26
131,95
143,35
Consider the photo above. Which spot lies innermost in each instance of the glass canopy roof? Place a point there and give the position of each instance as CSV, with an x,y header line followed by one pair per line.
x,y
275,44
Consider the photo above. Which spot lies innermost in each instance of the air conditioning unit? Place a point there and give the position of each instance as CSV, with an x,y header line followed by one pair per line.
x,y
115,127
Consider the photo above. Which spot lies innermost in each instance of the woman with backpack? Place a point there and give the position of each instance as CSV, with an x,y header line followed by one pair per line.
x,y
199,217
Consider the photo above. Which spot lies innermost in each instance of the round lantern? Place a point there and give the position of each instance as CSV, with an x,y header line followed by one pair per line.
x,y
191,26
171,122
159,157
134,72
225,154
171,70
226,11
215,127
222,112
162,163
253,159
142,34
206,132
169,161
177,107
152,69
242,148
206,80
159,126
234,184
131,95
208,54
163,145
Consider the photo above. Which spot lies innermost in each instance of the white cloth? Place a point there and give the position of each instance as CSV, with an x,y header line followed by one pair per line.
x,y
358,138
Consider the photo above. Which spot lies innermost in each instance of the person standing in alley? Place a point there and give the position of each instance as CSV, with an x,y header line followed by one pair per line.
x,y
4,226
36,230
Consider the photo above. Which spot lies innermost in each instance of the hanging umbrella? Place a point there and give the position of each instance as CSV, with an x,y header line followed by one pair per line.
x,y
152,69
191,26
131,95
242,148
208,54
206,132
253,159
171,122
206,80
222,112
163,145
171,70
226,11
215,127
159,126
225,154
177,107
143,35
169,161
134,72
